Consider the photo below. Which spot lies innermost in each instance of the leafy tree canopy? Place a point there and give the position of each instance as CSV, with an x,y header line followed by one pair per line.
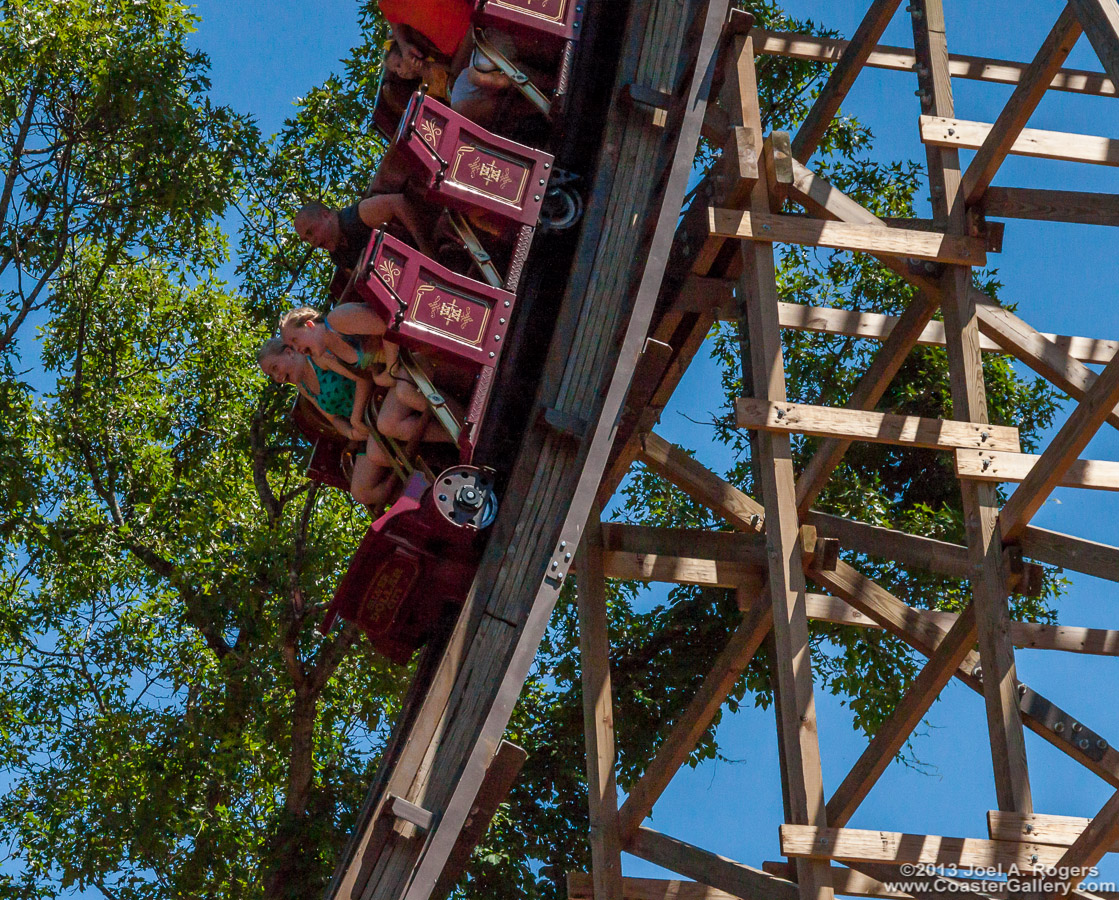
x,y
170,722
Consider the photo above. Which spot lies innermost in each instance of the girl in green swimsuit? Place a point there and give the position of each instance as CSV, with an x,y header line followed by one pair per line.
x,y
372,482
349,342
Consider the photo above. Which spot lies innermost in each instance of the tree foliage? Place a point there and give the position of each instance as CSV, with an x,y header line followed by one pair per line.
x,y
170,722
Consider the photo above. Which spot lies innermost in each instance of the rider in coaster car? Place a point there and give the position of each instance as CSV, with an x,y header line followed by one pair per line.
x,y
345,232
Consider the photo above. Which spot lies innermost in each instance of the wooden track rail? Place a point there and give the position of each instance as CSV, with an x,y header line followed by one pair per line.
x,y
627,332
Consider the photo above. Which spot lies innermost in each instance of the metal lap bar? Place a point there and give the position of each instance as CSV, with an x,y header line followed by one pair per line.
x,y
474,247
408,126
401,466
520,80
434,398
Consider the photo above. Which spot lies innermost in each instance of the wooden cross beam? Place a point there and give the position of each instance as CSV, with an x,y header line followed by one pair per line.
x,y
1031,88
896,848
580,886
1061,453
810,232
1089,848
1079,207
1001,466
902,59
895,731
1060,831
842,77
960,134
696,718
710,868
874,427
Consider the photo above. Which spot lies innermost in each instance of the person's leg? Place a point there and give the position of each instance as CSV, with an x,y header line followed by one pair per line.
x,y
372,482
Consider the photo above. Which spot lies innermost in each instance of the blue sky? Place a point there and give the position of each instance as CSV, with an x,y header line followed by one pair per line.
x,y
1063,278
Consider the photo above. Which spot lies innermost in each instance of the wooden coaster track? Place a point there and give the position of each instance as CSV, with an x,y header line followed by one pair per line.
x,y
623,342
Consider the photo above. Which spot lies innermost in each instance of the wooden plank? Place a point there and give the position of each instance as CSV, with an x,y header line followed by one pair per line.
x,y
1100,19
858,324
874,427
1061,453
1060,831
878,327
895,731
1070,552
961,134
678,569
1000,466
1024,342
1080,859
763,372
598,715
1021,105
897,848
1080,207
581,887
709,868
873,881
990,578
700,483
729,546
1028,635
901,59
842,77
811,232
941,557
696,718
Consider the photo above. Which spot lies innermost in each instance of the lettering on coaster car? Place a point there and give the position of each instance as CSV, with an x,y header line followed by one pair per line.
x,y
450,313
388,587
488,173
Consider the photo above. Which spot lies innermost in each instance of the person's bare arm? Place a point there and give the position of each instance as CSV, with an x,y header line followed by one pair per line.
x,y
362,393
356,318
376,211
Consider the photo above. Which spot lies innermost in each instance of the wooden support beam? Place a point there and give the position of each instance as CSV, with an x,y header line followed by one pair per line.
x,y
1070,552
874,878
1021,105
1000,466
895,731
961,134
700,483
1060,831
1024,342
1088,849
650,567
709,868
940,557
896,848
969,402
580,886
1100,19
901,59
874,427
811,232
763,371
842,77
598,715
1061,453
877,327
696,718
1028,635
1080,207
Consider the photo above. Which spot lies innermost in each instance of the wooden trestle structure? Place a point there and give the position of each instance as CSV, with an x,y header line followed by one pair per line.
x,y
625,338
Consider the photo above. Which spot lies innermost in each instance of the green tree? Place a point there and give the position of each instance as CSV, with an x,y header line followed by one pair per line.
x,y
170,722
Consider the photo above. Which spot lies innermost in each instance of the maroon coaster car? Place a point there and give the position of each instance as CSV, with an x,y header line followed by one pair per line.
x,y
440,313
465,167
417,562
